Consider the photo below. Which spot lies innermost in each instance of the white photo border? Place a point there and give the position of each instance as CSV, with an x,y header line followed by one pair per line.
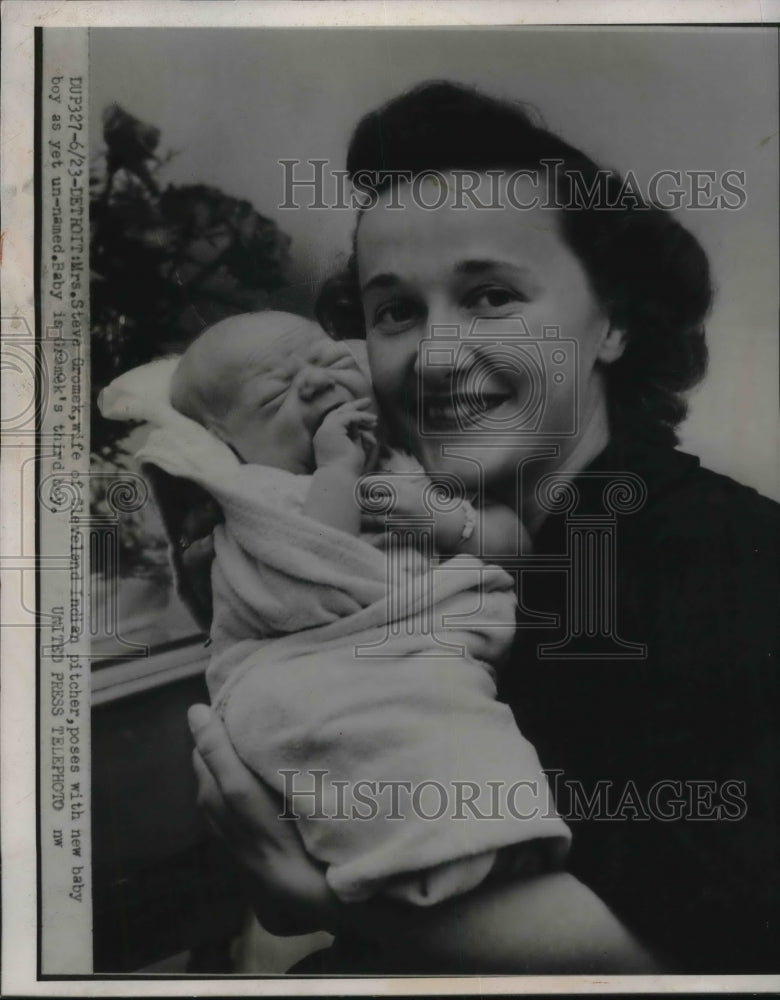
x,y
19,773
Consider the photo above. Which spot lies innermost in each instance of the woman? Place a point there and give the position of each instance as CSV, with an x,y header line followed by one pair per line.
x,y
656,718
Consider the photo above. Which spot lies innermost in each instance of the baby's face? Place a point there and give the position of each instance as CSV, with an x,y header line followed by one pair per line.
x,y
283,396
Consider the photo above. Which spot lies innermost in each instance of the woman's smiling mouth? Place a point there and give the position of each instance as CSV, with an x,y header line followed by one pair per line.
x,y
453,411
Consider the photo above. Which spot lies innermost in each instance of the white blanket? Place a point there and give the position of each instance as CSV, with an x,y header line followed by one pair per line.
x,y
327,668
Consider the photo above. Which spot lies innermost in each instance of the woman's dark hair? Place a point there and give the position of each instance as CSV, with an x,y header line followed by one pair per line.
x,y
649,273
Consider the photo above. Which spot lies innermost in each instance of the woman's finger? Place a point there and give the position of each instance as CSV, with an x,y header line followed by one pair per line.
x,y
210,800
242,799
235,782
210,797
245,838
213,743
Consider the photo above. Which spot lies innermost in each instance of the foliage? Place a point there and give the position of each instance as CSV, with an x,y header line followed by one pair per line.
x,y
165,264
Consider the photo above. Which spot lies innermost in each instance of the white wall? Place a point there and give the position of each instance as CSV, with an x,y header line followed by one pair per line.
x,y
236,101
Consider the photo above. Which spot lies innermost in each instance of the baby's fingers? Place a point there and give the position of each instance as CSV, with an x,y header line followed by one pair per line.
x,y
363,422
361,403
357,423
348,413
370,446
357,407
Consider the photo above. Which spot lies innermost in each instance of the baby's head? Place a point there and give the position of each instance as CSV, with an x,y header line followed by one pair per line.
x,y
263,382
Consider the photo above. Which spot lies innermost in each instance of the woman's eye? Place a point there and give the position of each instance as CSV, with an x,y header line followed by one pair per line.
x,y
394,315
494,297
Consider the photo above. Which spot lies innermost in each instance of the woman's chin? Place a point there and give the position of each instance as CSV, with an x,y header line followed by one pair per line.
x,y
490,470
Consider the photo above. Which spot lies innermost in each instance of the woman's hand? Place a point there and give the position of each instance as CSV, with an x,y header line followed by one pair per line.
x,y
542,925
289,891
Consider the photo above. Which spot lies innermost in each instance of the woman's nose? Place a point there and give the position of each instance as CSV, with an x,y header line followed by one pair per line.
x,y
313,382
444,355
438,351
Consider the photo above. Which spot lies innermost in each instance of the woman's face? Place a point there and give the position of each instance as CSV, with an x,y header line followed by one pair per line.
x,y
458,307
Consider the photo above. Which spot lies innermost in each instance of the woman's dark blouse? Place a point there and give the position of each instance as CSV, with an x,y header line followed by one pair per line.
x,y
697,582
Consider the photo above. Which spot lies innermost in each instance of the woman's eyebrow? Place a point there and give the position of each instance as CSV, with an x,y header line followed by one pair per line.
x,y
479,266
468,267
380,281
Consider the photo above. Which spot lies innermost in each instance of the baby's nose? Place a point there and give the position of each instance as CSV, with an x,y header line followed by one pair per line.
x,y
313,382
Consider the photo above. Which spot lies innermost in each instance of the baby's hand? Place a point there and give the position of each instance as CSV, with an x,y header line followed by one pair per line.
x,y
346,437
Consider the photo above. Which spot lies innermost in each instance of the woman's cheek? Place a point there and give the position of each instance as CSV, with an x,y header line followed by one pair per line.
x,y
379,363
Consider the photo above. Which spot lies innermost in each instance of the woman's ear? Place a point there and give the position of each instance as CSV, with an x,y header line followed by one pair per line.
x,y
612,345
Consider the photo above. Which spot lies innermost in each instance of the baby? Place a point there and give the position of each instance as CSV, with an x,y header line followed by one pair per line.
x,y
281,394
321,691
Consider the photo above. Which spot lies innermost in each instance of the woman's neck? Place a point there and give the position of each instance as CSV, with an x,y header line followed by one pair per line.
x,y
572,456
